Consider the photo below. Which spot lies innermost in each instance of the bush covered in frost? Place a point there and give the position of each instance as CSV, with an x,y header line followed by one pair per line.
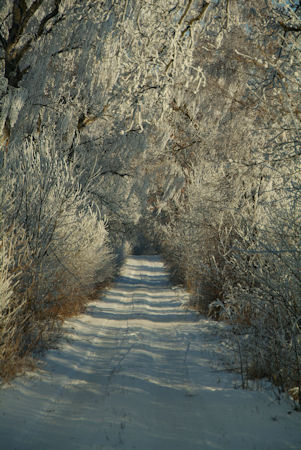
x,y
54,248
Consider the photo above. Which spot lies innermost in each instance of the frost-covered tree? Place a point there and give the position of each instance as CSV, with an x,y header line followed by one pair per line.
x,y
186,113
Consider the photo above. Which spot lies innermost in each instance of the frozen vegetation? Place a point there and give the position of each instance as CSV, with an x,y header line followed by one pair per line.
x,y
162,124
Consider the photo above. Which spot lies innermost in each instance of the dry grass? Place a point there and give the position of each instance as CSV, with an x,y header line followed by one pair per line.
x,y
31,323
63,306
28,333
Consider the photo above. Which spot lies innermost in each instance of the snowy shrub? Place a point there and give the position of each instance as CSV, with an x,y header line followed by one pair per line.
x,y
15,317
46,212
195,235
237,250
265,307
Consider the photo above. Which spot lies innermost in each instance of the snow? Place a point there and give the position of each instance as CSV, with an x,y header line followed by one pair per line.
x,y
140,371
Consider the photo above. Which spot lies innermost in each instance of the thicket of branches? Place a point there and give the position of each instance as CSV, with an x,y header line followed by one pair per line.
x,y
232,233
54,250
188,111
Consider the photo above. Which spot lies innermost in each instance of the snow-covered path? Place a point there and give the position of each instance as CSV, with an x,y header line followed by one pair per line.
x,y
138,371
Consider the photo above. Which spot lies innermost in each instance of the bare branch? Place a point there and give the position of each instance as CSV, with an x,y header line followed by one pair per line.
x,y
291,28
